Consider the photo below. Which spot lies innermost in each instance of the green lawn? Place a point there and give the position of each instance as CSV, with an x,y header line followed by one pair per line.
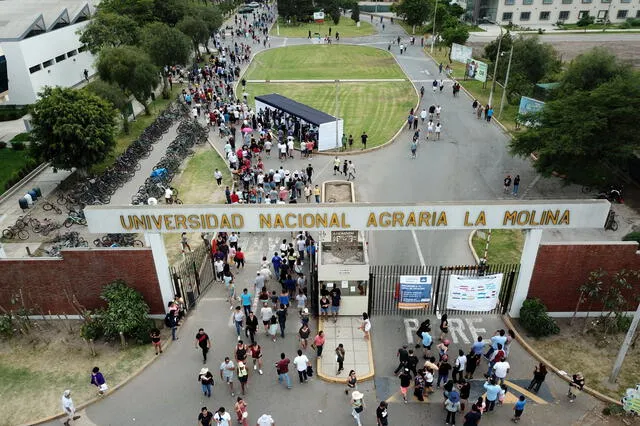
x,y
360,104
505,245
346,27
10,161
313,62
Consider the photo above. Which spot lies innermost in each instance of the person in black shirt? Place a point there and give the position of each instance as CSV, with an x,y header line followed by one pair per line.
x,y
202,341
472,418
205,417
364,138
382,414
403,358
405,382
412,362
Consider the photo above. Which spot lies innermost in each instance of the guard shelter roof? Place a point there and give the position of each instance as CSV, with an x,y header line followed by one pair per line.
x,y
305,112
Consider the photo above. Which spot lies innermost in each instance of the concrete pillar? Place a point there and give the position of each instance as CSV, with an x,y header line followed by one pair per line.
x,y
532,239
161,262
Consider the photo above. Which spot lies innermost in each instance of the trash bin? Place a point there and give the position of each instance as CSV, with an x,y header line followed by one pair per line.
x,y
24,205
34,195
38,191
29,199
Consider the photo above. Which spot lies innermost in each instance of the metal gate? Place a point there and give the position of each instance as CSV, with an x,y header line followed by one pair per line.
x,y
193,275
384,287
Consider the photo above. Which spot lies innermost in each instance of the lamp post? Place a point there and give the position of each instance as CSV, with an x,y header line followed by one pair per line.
x,y
506,82
337,109
495,69
433,26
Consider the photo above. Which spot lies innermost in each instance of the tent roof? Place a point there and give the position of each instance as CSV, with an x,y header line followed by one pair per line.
x,y
548,86
305,112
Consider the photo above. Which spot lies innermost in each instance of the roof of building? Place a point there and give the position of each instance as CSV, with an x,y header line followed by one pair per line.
x,y
20,19
305,112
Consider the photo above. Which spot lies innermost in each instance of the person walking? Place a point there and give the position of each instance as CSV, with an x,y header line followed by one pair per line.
x,y
576,386
382,414
301,362
256,356
352,382
171,321
340,358
452,405
273,328
444,327
516,185
492,389
282,369
506,183
204,343
365,326
500,370
472,418
238,320
363,139
413,147
318,343
539,374
336,163
226,373
68,408
357,406
205,417
265,420
245,297
438,130
97,379
156,341
403,359
304,333
518,408
316,193
252,326
206,381
266,313
241,412
459,366
222,418
281,313
218,177
405,382
243,376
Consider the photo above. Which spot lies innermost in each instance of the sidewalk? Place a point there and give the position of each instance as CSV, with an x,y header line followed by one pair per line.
x,y
358,351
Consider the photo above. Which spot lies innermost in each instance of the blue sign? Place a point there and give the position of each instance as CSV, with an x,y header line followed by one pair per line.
x,y
415,291
529,105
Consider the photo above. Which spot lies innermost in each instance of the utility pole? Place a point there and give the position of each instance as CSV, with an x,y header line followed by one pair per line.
x,y
495,70
433,26
506,82
337,115
625,346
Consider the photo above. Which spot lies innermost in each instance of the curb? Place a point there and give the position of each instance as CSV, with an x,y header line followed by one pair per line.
x,y
15,188
470,242
594,393
100,398
341,380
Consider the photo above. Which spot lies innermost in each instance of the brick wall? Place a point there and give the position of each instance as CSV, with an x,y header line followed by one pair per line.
x,y
82,272
560,270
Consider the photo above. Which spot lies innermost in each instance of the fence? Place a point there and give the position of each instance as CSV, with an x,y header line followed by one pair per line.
x,y
193,275
384,287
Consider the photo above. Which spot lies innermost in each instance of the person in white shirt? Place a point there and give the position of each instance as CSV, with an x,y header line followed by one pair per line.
x,y
423,114
438,130
267,148
259,282
500,370
459,366
218,177
265,420
168,193
429,128
68,407
219,267
301,362
222,418
438,110
266,313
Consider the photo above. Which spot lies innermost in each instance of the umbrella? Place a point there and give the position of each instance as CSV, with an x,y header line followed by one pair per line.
x,y
247,129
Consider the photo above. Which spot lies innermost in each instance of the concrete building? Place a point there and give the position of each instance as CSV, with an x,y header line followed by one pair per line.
x,y
41,45
532,13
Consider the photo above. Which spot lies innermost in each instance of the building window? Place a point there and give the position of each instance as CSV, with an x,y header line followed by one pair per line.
x,y
564,15
567,1
524,16
586,1
583,13
507,16
48,63
72,53
35,68
603,14
637,13
605,1
527,2
61,58
82,48
509,2
544,16
622,14
547,1
625,1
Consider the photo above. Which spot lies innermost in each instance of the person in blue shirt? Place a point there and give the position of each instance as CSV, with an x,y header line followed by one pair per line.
x,y
492,390
245,297
518,409
276,261
478,347
499,337
427,340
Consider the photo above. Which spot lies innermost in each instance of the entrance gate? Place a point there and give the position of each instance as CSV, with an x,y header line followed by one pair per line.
x,y
193,275
384,287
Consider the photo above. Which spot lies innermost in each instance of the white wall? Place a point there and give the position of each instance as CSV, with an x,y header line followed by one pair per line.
x,y
21,55
556,7
327,136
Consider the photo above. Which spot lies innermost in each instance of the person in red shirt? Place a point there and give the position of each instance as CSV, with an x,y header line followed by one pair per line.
x,y
239,258
282,368
234,198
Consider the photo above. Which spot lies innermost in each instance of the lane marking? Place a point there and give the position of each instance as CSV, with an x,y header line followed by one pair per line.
x,y
415,240
535,398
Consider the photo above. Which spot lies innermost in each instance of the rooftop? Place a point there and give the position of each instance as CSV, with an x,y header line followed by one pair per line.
x,y
20,19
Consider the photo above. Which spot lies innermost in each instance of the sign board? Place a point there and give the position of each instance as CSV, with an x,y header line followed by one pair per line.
x,y
349,238
415,291
631,400
461,53
318,16
476,70
442,216
473,293
529,105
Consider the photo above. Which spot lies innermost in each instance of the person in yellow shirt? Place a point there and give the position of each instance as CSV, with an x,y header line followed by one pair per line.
x,y
316,192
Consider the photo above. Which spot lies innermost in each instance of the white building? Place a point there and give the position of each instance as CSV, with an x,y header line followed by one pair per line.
x,y
4,80
41,45
532,13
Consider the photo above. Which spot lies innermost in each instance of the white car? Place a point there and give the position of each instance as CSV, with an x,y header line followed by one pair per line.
x,y
254,4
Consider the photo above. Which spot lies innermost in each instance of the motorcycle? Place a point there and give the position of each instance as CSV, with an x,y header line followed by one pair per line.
x,y
612,194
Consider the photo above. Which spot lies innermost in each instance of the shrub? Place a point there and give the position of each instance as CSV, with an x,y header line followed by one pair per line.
x,y
586,20
632,236
92,330
3,144
6,325
634,22
625,25
534,318
142,333
21,137
126,310
623,322
17,145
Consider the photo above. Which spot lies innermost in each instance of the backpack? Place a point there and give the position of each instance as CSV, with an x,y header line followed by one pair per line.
x,y
168,320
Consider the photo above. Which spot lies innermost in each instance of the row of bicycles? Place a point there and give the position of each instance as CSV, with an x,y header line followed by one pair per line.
x,y
190,134
66,240
27,224
99,189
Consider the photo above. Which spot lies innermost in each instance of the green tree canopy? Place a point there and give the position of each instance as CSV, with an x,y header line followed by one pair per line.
x,y
72,128
114,95
355,12
296,10
457,34
211,15
585,134
169,12
109,30
414,12
131,69
140,11
126,309
165,45
196,29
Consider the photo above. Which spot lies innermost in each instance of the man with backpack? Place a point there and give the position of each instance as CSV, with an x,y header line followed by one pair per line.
x,y
170,321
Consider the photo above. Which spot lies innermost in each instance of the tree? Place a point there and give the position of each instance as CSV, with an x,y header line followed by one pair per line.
x,y
115,96
210,15
299,10
165,46
355,12
588,292
196,29
414,12
458,34
582,135
140,11
585,20
169,12
72,128
131,69
126,310
110,30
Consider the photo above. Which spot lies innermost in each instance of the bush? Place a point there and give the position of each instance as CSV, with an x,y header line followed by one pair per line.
x,y
17,145
6,326
632,236
634,22
534,318
142,333
585,21
3,144
21,137
9,113
623,322
126,310
624,26
92,330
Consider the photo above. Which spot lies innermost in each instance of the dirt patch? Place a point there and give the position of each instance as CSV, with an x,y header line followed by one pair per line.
x,y
337,192
41,365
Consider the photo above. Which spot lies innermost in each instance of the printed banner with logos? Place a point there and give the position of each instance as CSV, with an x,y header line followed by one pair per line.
x,y
318,16
529,105
415,291
461,53
477,70
473,293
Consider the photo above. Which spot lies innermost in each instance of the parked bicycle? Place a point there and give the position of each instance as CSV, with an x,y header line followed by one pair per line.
x,y
14,232
47,206
118,240
75,218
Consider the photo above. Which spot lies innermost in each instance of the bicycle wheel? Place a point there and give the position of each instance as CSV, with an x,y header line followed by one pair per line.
x,y
23,234
68,223
46,206
614,225
36,226
586,189
177,201
82,221
97,242
7,233
56,208
138,243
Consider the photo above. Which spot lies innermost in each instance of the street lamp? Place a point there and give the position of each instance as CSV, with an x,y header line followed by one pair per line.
x,y
495,69
337,109
506,82
433,26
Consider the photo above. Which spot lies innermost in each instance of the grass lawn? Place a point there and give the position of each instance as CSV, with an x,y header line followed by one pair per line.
x,y
313,62
136,128
37,368
346,27
361,104
10,161
196,185
508,118
505,245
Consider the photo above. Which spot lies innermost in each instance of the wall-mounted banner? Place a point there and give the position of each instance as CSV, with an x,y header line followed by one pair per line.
x,y
415,291
473,293
354,217
460,53
476,70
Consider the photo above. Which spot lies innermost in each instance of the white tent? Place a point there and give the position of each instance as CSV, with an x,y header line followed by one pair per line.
x,y
330,129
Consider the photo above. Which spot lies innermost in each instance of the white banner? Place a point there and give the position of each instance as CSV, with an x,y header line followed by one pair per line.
x,y
461,53
473,293
318,16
